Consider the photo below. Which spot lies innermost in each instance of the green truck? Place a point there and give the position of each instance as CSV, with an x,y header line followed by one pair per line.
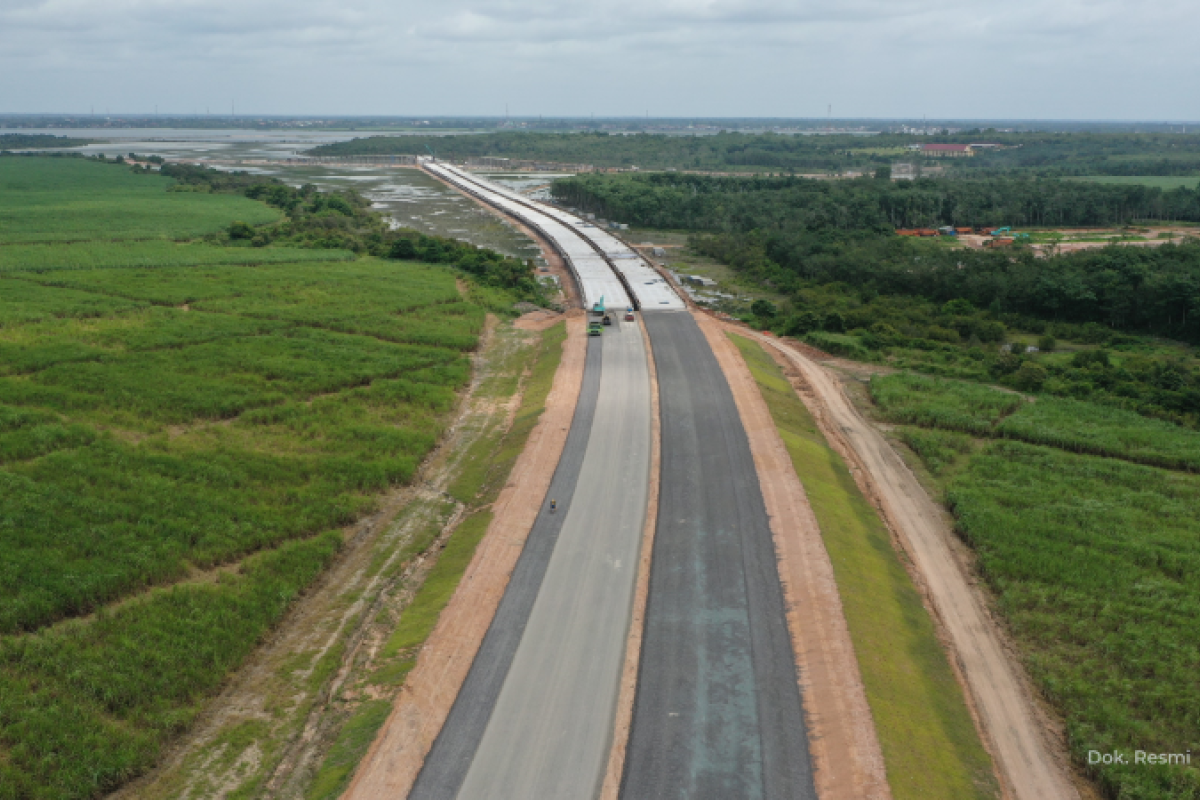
x,y
595,328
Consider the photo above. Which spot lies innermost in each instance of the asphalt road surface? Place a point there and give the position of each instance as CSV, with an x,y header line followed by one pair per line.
x,y
718,712
534,718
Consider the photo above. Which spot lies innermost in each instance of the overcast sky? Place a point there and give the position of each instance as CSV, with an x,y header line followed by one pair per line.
x,y
1030,59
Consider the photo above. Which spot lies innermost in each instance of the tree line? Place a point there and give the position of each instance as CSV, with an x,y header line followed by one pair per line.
x,y
794,233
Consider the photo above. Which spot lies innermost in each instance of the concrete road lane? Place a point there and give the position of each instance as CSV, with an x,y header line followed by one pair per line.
x,y
550,732
446,764
718,712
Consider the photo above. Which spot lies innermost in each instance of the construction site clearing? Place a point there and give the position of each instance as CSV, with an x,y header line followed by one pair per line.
x,y
1050,241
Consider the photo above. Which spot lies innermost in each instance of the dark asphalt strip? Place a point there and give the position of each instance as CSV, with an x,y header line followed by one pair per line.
x,y
718,712
446,766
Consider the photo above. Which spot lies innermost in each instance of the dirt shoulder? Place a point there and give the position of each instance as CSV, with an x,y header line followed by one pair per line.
x,y
847,760
395,758
995,683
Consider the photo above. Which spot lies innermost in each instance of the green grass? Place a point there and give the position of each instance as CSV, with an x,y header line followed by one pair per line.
x,y
98,255
937,403
481,483
177,424
1096,565
941,451
352,743
1074,425
86,705
59,199
398,301
930,746
1103,430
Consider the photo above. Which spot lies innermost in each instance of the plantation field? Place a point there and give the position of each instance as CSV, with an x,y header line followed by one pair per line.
x,y
937,403
92,255
67,199
1060,422
1096,564
1094,561
182,429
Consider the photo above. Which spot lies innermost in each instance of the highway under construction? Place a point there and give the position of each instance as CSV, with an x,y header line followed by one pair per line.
x,y
717,711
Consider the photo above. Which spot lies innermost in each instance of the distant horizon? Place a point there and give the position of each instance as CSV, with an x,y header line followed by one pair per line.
x,y
813,122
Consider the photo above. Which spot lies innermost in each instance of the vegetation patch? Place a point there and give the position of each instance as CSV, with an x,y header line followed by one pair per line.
x,y
74,199
178,422
930,746
88,704
937,403
1096,565
1103,430
480,482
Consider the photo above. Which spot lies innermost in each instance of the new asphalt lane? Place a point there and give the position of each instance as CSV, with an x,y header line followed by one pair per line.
x,y
535,716
718,712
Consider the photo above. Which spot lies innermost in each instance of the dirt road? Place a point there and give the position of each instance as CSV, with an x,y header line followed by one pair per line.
x,y
1000,697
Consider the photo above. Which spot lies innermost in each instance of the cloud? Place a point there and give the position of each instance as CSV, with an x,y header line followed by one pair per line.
x,y
1026,58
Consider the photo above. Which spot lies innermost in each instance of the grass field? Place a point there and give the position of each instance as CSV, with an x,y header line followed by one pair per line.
x,y
937,403
1094,561
930,746
1067,424
93,255
1096,565
182,427
68,199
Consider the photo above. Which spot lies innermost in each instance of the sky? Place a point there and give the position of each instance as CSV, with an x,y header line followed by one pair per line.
x,y
1018,59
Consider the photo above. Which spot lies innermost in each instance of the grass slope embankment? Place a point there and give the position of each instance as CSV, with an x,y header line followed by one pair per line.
x,y
1093,561
484,473
930,746
182,425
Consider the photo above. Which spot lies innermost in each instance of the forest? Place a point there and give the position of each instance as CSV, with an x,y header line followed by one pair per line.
x,y
22,141
1034,153
795,232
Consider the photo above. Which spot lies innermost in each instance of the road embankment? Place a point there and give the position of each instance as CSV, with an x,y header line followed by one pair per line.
x,y
996,688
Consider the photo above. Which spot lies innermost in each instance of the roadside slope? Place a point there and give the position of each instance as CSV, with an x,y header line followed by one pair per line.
x,y
1001,699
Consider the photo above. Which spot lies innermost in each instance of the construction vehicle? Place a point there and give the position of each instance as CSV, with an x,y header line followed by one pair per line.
x,y
1012,236
598,307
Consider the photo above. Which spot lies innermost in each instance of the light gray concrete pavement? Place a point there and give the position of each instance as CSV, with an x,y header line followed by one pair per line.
x,y
446,765
535,717
718,712
551,730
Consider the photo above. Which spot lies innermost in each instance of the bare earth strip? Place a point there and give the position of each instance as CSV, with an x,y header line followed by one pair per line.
x,y
847,759
395,758
611,787
999,695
